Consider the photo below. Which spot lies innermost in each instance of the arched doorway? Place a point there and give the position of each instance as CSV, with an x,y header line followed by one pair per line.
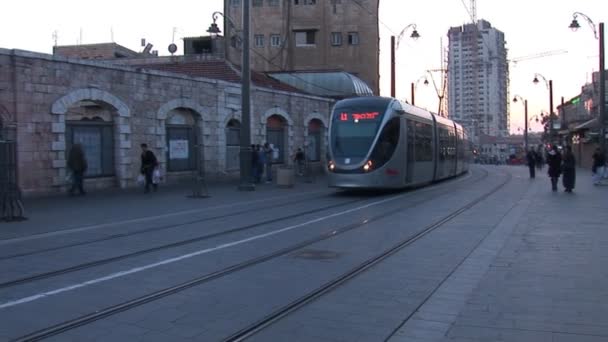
x,y
314,140
91,124
182,140
233,145
276,132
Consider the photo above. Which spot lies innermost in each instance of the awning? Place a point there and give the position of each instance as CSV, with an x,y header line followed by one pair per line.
x,y
586,125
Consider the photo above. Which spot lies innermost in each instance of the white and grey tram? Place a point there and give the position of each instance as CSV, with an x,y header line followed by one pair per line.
x,y
383,143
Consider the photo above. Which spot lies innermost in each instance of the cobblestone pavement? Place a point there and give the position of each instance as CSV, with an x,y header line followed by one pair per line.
x,y
525,264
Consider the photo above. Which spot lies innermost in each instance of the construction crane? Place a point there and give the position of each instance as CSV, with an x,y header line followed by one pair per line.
x,y
537,55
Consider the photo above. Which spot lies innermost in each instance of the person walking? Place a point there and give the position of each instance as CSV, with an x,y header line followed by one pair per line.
x,y
597,169
268,154
531,159
539,158
554,161
299,160
77,163
254,164
569,170
261,162
148,164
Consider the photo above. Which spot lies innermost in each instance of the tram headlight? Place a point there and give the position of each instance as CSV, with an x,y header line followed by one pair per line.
x,y
367,166
331,166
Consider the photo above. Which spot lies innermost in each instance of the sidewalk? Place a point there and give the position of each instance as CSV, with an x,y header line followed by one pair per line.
x,y
540,275
48,214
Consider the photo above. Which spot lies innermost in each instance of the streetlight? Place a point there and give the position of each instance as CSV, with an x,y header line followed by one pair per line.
x,y
602,89
414,36
525,118
415,85
549,85
245,150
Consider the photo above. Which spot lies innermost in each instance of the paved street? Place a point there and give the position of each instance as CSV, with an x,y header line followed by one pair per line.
x,y
489,256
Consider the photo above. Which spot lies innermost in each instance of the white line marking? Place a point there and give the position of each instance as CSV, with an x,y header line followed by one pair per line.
x,y
204,251
141,219
186,256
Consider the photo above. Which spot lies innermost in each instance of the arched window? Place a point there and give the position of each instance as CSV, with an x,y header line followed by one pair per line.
x,y
181,140
276,135
314,140
233,142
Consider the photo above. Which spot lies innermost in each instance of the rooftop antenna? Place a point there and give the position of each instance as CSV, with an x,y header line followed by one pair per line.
x,y
111,34
80,40
55,37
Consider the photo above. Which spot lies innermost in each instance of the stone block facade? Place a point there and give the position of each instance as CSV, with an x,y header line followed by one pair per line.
x,y
41,94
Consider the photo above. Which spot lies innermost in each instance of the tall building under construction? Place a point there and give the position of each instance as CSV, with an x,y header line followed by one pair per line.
x,y
478,79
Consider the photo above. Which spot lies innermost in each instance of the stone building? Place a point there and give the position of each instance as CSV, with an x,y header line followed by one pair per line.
x,y
309,36
47,103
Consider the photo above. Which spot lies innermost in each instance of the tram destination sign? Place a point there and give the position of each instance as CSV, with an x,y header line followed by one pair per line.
x,y
362,116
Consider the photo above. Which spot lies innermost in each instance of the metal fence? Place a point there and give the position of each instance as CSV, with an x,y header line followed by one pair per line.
x,y
11,206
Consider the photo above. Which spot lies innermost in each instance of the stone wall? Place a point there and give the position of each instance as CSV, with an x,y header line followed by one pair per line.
x,y
38,91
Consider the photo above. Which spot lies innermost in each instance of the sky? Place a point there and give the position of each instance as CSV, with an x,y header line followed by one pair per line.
x,y
530,26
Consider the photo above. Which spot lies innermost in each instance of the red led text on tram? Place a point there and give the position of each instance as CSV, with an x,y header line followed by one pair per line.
x,y
359,116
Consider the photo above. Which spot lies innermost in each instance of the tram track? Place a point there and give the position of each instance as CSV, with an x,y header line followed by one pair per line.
x,y
180,243
115,309
155,229
324,289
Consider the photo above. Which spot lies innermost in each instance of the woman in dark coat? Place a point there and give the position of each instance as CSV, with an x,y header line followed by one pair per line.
x,y
77,163
554,160
569,169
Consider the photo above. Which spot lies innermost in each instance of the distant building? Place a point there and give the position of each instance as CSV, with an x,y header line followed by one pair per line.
x,y
309,35
478,79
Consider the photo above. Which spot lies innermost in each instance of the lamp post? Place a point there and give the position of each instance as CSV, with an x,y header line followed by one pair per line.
x,y
245,183
395,41
415,85
525,118
574,25
549,85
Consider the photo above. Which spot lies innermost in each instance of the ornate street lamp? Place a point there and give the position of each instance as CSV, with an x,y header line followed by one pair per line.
x,y
549,85
415,35
415,85
599,35
246,183
517,97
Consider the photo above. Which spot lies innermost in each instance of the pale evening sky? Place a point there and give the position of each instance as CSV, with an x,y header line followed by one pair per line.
x,y
530,27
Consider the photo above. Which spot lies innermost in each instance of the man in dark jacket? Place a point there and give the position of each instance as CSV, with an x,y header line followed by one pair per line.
x,y
531,159
554,160
148,164
77,163
598,166
569,169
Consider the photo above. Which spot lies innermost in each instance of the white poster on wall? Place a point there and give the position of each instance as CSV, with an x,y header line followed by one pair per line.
x,y
178,149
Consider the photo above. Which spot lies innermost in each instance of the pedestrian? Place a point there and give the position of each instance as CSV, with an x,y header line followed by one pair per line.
x,y
539,158
531,159
148,165
554,161
599,161
254,164
569,170
261,162
299,160
77,163
268,151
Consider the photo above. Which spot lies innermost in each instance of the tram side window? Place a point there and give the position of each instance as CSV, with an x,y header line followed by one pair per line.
x,y
424,147
411,131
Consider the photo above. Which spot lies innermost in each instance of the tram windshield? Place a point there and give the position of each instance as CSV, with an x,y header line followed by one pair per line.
x,y
353,130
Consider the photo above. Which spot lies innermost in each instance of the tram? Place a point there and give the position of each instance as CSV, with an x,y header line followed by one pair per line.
x,y
384,143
